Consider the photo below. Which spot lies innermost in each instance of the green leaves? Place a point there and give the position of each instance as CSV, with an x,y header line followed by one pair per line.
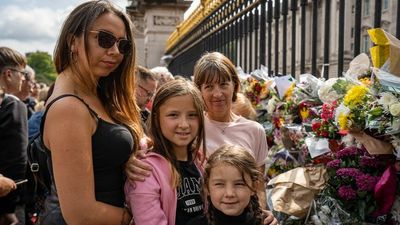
x,y
43,65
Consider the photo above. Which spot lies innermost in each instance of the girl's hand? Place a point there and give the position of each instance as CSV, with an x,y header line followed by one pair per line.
x,y
269,219
6,186
135,169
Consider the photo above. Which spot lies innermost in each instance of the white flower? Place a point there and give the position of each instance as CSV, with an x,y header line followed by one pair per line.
x,y
395,109
326,92
387,99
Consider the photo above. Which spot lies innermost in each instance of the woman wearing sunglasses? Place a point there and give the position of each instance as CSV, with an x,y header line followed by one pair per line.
x,y
91,123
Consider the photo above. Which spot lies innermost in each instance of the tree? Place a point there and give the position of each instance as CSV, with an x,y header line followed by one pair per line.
x,y
43,65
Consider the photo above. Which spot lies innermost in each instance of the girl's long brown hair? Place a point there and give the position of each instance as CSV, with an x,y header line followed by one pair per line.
x,y
162,145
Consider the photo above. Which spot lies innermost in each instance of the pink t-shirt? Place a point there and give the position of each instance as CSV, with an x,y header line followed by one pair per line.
x,y
240,131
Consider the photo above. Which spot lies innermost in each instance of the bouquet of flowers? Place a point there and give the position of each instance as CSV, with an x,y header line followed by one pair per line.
x,y
334,89
325,127
352,112
384,114
256,90
355,180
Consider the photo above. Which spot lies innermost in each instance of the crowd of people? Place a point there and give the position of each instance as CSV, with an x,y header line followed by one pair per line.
x,y
126,144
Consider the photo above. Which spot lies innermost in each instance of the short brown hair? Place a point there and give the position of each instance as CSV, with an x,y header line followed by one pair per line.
x,y
11,57
215,66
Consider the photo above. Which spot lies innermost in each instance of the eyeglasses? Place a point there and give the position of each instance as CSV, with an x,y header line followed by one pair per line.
x,y
24,73
149,94
107,40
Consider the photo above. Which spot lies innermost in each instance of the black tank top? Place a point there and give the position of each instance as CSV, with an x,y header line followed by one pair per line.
x,y
112,145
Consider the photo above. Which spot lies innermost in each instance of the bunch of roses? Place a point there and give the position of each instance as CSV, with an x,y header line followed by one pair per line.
x,y
325,127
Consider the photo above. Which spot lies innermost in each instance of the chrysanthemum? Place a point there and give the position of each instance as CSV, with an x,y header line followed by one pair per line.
x,y
355,96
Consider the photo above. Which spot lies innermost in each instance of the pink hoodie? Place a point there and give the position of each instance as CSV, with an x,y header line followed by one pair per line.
x,y
154,200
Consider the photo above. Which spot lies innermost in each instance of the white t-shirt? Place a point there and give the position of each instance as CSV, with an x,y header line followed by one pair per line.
x,y
240,131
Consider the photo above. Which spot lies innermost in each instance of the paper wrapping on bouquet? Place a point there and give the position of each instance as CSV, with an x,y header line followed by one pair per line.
x,y
374,146
385,191
358,66
317,146
293,192
386,52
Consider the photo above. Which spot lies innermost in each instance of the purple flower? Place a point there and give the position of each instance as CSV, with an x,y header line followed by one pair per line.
x,y
348,172
334,164
347,192
368,161
366,182
349,151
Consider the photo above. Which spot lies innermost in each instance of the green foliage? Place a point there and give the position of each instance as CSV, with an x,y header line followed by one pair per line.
x,y
43,65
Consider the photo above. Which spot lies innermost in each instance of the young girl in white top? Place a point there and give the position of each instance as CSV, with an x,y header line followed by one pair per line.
x,y
172,193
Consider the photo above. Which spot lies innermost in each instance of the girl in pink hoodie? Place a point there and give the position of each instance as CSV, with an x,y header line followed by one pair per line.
x,y
172,193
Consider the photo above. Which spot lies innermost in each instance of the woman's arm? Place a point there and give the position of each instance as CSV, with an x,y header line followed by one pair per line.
x,y
68,133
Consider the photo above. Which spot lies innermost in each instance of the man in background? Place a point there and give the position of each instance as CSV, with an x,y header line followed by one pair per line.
x,y
146,86
13,133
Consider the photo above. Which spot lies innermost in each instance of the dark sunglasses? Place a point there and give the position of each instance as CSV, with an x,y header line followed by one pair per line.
x,y
107,40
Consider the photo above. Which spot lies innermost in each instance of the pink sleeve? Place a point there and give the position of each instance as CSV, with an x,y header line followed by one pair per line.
x,y
144,201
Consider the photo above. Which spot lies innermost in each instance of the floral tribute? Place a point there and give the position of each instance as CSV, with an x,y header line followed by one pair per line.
x,y
356,181
256,90
325,127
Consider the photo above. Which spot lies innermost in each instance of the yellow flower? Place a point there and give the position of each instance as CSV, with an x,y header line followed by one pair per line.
x,y
355,96
343,121
366,81
304,113
289,92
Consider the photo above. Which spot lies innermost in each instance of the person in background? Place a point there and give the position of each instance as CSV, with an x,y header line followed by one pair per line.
x,y
36,118
172,193
26,91
243,107
230,181
146,86
91,123
13,132
163,75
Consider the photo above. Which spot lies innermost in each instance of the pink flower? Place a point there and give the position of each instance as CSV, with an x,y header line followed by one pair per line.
x,y
349,151
348,172
368,161
366,182
334,164
347,192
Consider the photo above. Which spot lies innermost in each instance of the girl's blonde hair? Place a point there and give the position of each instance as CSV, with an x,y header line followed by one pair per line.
x,y
116,90
240,158
162,145
213,67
